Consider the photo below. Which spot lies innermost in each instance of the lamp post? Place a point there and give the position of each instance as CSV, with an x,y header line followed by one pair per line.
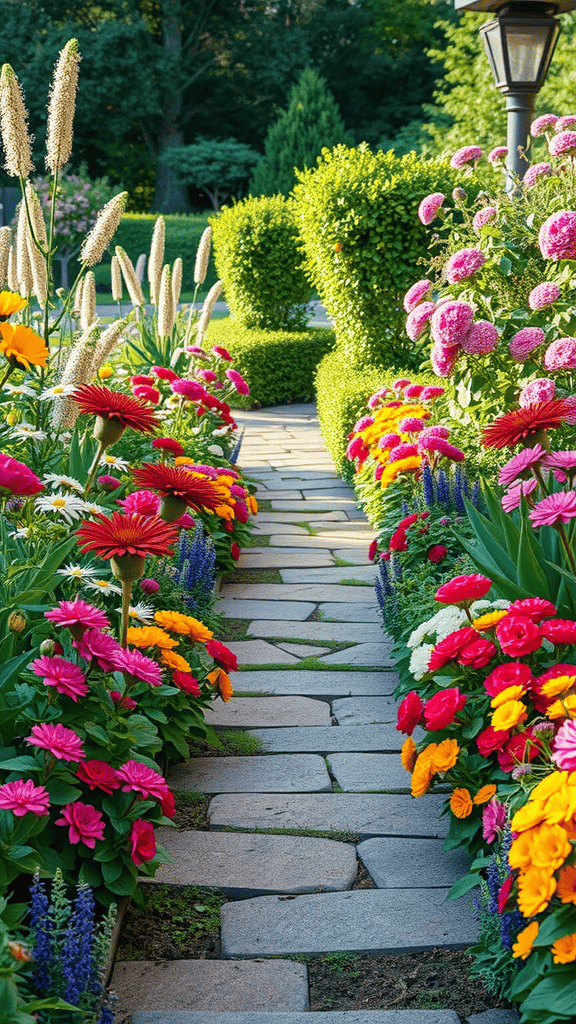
x,y
519,45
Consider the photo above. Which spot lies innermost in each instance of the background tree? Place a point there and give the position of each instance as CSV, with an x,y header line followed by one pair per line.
x,y
219,169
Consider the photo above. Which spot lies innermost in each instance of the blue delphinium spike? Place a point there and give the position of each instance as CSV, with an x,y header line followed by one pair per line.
x,y
378,586
405,507
396,568
41,929
442,489
475,498
458,490
77,946
427,485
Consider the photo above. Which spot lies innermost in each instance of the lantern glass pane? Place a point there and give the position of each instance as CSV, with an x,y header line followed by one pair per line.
x,y
526,49
493,43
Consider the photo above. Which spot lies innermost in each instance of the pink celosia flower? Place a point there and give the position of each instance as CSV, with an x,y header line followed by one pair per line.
x,y
511,499
137,665
23,797
543,295
416,294
561,354
147,393
163,373
223,353
564,747
208,375
493,819
403,451
540,390
542,124
444,359
418,319
430,206
238,382
401,383
139,778
389,441
411,425
568,121
437,430
557,236
147,503
525,341
431,392
484,216
563,143
377,398
189,389
518,464
62,743
451,322
85,823
108,483
16,478
357,450
556,508
481,339
378,471
413,391
99,646
465,155
496,155
63,675
185,522
464,263
362,423
433,443
78,615
534,172
141,379
195,350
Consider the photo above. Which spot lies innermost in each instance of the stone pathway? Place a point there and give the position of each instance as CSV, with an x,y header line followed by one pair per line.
x,y
315,687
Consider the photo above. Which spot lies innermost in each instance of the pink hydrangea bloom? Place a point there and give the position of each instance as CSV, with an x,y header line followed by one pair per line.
x,y
23,797
481,339
451,322
525,341
540,390
401,383
564,142
536,171
564,746
561,354
378,397
493,819
389,441
557,236
464,263
542,123
496,155
511,499
411,425
556,508
444,359
429,207
518,464
78,615
357,450
413,391
85,823
543,295
403,451
62,743
484,216
431,392
416,294
147,503
66,677
418,319
465,155
16,478
238,382
98,646
139,778
438,430
137,665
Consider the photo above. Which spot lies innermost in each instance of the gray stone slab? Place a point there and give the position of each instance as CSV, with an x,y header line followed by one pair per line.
x,y
263,494
243,865
331,574
258,652
365,710
494,1017
324,739
295,592
283,610
267,529
363,921
311,482
319,1017
355,555
277,558
412,863
315,503
357,529
370,655
317,684
362,814
339,631
294,517
304,650
228,986
369,773
278,773
350,611
268,712
322,540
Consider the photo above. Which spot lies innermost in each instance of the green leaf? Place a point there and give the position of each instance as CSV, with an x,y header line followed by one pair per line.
x,y
463,885
20,764
61,792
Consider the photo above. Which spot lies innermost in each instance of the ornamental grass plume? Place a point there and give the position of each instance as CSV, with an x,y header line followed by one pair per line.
x,y
177,271
107,343
165,304
61,107
202,257
11,272
78,370
5,238
77,304
156,259
37,240
16,141
23,266
88,307
207,309
129,274
116,279
100,236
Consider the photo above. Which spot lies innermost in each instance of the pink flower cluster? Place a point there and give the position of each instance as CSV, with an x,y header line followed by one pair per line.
x,y
486,215
430,207
496,155
545,294
557,236
463,264
525,341
416,294
534,172
542,124
563,144
561,354
465,155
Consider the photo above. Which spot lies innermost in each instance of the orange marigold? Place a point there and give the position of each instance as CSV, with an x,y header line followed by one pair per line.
x,y
408,754
186,625
445,755
485,794
536,888
564,949
566,888
525,941
174,661
461,803
423,773
22,346
150,636
550,847
221,681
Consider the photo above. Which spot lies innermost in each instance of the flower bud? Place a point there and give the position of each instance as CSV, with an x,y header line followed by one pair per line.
x,y
459,195
17,622
48,648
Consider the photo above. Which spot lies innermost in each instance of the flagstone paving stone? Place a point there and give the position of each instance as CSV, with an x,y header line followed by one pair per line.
x,y
316,518
268,712
365,710
338,631
258,652
412,863
277,592
283,610
267,529
318,684
362,814
315,504
330,574
370,655
304,650
275,558
214,985
263,494
318,1017
276,773
357,555
244,865
369,773
349,612
325,740
282,540
363,921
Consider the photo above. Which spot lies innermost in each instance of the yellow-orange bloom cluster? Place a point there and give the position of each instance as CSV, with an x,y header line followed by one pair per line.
x,y
436,757
185,625
150,636
223,484
220,680
386,420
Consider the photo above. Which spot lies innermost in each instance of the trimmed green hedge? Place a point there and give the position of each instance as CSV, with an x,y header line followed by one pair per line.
x,y
183,233
279,366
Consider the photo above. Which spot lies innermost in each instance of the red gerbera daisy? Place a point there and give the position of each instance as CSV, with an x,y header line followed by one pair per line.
x,y
129,537
114,412
178,488
168,444
508,430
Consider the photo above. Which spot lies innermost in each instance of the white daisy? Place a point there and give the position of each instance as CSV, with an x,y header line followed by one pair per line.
x,y
142,612
93,509
66,505
19,389
22,532
103,587
113,462
28,430
58,391
61,480
77,572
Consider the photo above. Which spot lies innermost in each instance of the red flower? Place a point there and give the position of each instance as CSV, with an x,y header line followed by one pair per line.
x,y
142,842
409,521
112,405
98,775
168,444
559,631
124,703
490,740
130,534
168,804
437,553
441,710
16,478
518,636
222,654
504,892
463,589
511,428
197,492
520,748
513,673
535,608
235,551
449,648
409,713
184,681
477,654
398,541
373,549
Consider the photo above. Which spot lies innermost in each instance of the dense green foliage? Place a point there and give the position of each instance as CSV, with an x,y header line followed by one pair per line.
x,y
183,234
279,366
311,122
219,169
257,256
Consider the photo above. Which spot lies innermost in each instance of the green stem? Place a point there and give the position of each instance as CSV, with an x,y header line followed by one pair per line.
x,y
66,304
569,554
94,468
9,370
126,595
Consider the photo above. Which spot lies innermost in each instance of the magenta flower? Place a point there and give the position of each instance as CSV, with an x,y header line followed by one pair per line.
x,y
570,416
401,383
430,206
223,353
433,443
98,646
418,319
189,389
556,508
568,121
142,842
542,124
493,820
163,373
413,391
149,586
78,615
557,236
563,143
543,295
16,478
411,425
564,747
444,359
464,263
518,464
484,216
389,441
85,823
66,677
147,393
402,451
362,424
540,390
431,392
561,463
534,172
481,339
496,155
64,744
238,382
465,155
23,797
147,503
561,354
416,294
451,322
525,341
513,496
108,483
139,778
437,430
138,665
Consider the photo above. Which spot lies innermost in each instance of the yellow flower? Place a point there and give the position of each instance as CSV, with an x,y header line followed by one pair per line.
x,y
221,681
561,806
105,371
445,755
550,847
564,949
224,511
525,941
552,687
535,890
489,620
186,625
21,345
10,302
150,636
512,713
549,785
461,803
252,504
528,816
563,708
173,660
520,853
393,469
423,771
566,888
408,754
510,693
485,794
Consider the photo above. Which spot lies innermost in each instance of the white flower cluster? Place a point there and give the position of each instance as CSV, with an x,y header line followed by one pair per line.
x,y
425,637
